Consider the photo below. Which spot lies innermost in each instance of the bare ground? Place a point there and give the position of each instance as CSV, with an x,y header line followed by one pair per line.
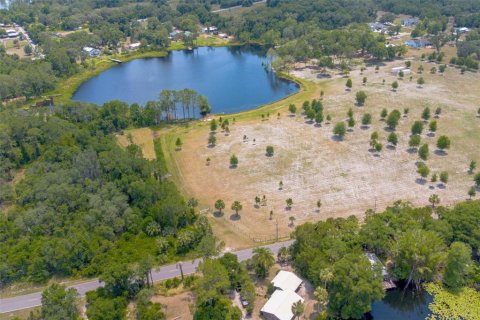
x,y
345,175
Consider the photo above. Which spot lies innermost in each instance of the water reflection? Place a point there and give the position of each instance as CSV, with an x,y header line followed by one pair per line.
x,y
399,304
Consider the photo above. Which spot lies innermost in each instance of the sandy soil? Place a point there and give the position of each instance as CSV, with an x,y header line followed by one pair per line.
x,y
345,175
177,306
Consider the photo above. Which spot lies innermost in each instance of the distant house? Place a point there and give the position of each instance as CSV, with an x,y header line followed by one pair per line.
x,y
418,43
92,52
396,70
175,35
461,30
409,22
279,306
134,46
378,27
12,33
386,280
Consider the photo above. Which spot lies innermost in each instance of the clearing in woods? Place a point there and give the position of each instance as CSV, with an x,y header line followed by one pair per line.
x,y
347,176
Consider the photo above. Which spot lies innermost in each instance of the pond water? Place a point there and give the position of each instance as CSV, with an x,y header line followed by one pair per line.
x,y
402,305
232,78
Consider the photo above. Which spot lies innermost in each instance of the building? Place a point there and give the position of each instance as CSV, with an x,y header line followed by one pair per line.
x,y
134,46
418,43
386,280
378,27
12,33
285,280
396,70
409,22
461,30
175,35
92,52
279,306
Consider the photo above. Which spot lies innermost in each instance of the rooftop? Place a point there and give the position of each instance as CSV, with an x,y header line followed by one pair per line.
x,y
280,304
286,280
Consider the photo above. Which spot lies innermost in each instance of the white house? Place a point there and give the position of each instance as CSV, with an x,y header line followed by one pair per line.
x,y
279,306
92,52
396,70
134,46
285,280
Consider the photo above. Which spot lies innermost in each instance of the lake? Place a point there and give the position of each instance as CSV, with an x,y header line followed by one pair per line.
x,y
232,78
402,305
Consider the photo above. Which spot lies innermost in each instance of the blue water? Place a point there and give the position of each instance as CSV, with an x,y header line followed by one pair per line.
x,y
402,305
232,78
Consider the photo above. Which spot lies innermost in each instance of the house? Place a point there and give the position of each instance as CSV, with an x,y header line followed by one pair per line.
x,y
409,22
285,280
223,35
92,52
12,33
386,280
378,27
418,43
396,71
134,46
461,30
175,35
279,306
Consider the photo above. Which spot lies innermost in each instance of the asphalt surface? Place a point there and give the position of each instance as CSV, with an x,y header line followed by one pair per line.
x,y
166,272
236,7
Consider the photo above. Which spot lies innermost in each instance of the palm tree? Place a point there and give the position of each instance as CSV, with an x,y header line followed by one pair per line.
x,y
237,206
321,295
262,260
326,276
292,220
298,308
283,254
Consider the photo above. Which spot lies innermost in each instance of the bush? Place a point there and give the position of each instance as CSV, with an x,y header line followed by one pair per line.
x,y
361,96
269,151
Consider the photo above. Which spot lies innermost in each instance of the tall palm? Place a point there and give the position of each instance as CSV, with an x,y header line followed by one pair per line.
x,y
326,275
321,295
298,308
237,206
262,260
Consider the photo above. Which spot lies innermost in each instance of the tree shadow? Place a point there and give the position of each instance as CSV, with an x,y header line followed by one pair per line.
x,y
421,181
308,121
291,115
388,129
363,127
391,147
318,125
440,152
337,138
431,134
257,206
377,155
441,186
211,146
412,150
350,129
431,187
235,217
287,208
233,166
218,214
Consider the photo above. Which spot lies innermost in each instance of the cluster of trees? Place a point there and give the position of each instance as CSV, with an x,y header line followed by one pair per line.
x,y
418,248
85,203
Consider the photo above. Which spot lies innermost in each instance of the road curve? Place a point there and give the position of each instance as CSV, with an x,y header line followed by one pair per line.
x,y
166,272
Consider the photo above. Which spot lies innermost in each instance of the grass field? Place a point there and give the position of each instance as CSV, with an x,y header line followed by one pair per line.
x,y
345,175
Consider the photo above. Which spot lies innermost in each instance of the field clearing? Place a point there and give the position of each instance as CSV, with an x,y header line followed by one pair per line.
x,y
346,176
141,137
176,306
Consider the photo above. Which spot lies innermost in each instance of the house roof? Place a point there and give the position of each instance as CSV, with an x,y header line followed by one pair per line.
x,y
286,280
280,304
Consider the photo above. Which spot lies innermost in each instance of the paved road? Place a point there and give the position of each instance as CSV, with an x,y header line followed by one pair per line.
x,y
166,272
236,7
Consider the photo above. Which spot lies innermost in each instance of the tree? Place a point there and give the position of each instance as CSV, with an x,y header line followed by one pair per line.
x,y
366,119
292,220
292,109
361,97
204,106
414,141
364,80
269,151
378,147
433,126
289,202
418,254
472,166
283,255
434,200
219,205
319,118
214,283
476,178
59,303
233,161
438,112
423,170
420,82
178,144
351,122
393,138
443,143
280,185
472,192
393,118
434,178
257,201
237,207
383,113
444,177
401,74
192,203
213,125
395,85
420,69
426,114
417,127
349,84
423,152
262,261
321,295
350,113
298,308
458,260
340,130
319,205
353,289
28,49
212,140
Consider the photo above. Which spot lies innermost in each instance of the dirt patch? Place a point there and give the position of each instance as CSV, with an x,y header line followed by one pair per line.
x,y
178,306
143,138
345,175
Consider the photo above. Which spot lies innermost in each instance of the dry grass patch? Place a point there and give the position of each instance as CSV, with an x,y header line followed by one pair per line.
x,y
142,137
